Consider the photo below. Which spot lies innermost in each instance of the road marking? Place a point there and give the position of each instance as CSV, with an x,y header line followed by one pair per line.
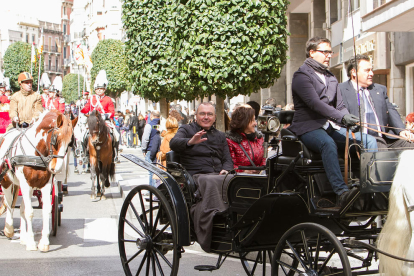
x,y
100,229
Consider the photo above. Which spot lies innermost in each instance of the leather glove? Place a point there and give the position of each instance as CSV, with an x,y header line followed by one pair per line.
x,y
350,120
354,129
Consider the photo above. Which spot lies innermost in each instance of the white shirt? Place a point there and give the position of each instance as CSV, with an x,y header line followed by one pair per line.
x,y
365,130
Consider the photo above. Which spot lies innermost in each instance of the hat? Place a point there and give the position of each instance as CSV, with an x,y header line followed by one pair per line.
x,y
101,81
45,81
24,76
57,85
85,92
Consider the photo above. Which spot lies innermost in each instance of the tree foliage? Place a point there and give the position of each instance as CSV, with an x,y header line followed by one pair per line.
x,y
70,87
109,55
17,59
187,49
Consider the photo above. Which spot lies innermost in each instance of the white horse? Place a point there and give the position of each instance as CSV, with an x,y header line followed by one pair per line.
x,y
48,136
80,131
396,235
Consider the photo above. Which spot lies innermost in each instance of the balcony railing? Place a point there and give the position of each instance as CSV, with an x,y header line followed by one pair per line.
x,y
66,38
53,69
66,62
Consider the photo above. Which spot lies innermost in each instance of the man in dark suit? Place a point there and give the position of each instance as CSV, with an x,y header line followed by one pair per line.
x,y
320,114
375,106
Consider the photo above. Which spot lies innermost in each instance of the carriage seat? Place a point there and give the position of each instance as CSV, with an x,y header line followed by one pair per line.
x,y
291,145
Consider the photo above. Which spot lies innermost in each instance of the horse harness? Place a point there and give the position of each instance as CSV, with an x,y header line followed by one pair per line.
x,y
24,160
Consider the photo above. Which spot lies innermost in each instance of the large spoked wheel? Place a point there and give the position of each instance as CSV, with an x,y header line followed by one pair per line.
x,y
55,212
147,234
257,262
310,249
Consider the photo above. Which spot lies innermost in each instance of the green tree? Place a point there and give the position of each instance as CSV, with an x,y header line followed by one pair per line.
x,y
189,49
109,55
17,59
70,87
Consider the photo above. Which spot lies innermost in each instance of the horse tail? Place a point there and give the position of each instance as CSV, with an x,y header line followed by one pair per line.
x,y
112,171
395,236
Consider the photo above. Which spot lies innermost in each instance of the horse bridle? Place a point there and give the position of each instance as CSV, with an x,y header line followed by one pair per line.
x,y
53,141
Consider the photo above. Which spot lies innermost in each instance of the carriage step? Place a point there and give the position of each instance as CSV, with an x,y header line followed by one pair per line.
x,y
205,267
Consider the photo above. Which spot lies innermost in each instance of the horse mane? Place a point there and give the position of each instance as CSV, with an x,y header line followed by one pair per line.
x,y
47,120
395,236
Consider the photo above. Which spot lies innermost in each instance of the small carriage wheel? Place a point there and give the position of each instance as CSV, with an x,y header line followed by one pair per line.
x,y
257,262
147,234
55,211
316,249
14,199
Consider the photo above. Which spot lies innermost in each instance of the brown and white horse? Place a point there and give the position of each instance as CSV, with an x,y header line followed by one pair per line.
x,y
101,155
47,138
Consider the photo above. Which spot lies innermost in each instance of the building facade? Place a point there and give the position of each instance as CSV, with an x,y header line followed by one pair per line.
x,y
66,11
52,48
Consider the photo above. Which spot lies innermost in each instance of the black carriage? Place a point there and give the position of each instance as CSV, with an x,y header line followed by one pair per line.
x,y
279,223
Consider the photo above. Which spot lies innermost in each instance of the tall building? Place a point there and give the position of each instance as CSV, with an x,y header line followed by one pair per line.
x,y
66,11
52,48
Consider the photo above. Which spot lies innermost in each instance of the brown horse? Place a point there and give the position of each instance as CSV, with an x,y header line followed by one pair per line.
x,y
47,140
101,154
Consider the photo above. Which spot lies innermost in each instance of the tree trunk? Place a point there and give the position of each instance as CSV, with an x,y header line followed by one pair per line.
x,y
220,113
164,108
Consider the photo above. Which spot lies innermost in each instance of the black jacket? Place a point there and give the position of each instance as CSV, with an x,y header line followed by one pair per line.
x,y
314,102
386,113
209,156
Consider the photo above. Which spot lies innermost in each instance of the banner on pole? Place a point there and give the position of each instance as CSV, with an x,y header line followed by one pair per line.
x,y
79,55
33,53
40,45
88,60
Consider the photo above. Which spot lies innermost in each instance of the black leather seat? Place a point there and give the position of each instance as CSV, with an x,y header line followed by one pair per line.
x,y
292,146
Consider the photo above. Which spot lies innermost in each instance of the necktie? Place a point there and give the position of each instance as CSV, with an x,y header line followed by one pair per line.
x,y
369,113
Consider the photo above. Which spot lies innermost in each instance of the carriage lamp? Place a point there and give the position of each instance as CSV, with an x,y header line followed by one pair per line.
x,y
268,124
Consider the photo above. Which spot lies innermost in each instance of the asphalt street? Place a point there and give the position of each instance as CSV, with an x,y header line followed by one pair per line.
x,y
86,242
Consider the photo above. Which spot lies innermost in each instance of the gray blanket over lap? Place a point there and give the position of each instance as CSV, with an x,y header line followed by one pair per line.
x,y
209,201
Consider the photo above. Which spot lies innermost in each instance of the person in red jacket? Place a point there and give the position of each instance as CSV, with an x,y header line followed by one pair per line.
x,y
104,105
245,143
3,98
54,102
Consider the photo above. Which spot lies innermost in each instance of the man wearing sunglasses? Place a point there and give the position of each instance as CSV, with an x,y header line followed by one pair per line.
x,y
320,115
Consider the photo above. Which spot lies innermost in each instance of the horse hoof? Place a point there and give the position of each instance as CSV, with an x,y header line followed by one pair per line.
x,y
103,197
93,197
9,231
31,247
43,247
98,194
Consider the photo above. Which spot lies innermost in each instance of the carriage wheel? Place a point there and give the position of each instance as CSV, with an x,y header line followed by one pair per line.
x,y
55,212
257,262
310,249
15,194
147,234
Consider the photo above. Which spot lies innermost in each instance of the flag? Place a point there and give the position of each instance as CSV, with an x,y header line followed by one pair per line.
x,y
79,55
88,60
40,48
33,53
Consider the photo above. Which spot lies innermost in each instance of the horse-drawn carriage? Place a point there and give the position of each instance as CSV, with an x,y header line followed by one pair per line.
x,y
282,223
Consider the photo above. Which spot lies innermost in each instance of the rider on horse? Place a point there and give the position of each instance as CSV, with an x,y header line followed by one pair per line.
x,y
25,105
45,84
54,102
104,105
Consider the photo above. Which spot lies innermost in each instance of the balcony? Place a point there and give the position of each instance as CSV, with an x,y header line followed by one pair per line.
x,y
67,62
53,69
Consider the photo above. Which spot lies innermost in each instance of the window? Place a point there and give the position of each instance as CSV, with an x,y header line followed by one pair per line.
x,y
378,3
354,5
57,64
64,52
27,38
33,39
99,13
64,10
64,28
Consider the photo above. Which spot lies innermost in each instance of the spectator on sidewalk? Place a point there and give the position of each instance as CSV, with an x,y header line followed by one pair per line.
x,y
133,122
151,140
172,126
141,126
